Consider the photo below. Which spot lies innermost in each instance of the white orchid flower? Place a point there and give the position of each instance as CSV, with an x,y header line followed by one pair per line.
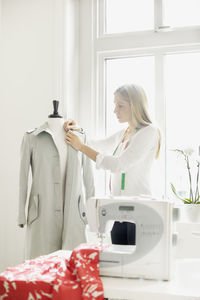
x,y
188,151
193,198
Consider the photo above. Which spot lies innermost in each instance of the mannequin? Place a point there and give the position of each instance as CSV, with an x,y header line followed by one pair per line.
x,y
55,123
61,181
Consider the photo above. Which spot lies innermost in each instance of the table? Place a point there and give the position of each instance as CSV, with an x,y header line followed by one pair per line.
x,y
184,285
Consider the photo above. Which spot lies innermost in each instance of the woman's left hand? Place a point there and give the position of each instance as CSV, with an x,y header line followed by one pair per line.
x,y
73,140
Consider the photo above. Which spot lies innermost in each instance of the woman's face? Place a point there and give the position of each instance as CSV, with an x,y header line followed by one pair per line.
x,y
122,109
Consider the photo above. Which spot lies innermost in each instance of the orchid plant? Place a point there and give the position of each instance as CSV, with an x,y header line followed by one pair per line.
x,y
194,198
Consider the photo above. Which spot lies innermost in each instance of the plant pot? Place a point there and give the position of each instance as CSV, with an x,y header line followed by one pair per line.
x,y
191,213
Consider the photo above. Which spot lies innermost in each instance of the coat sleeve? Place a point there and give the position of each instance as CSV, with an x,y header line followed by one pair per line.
x,y
88,177
139,147
25,161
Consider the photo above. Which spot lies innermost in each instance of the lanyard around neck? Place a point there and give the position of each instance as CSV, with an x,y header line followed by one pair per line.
x,y
123,174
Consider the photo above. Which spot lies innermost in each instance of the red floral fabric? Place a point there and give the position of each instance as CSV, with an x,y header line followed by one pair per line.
x,y
55,277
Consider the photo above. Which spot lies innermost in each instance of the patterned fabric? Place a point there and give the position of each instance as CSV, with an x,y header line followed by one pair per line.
x,y
55,277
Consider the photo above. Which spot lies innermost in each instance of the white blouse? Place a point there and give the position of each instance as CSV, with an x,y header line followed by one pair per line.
x,y
134,160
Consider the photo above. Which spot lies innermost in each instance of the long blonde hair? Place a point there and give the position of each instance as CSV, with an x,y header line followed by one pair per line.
x,y
136,97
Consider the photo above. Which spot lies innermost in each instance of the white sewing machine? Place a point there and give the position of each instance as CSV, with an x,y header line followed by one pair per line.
x,y
151,257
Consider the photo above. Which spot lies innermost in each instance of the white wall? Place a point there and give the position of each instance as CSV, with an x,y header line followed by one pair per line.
x,y
33,72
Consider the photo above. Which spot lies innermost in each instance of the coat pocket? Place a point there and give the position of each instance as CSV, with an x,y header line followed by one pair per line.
x,y
33,209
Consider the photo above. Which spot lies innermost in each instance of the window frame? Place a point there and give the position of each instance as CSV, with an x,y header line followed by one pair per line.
x,y
158,42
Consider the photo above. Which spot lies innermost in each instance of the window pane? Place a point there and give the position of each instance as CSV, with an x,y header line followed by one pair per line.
x,y
129,15
181,12
139,70
182,116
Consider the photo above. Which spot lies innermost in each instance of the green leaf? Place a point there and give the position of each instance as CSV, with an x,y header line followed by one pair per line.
x,y
188,201
175,193
197,200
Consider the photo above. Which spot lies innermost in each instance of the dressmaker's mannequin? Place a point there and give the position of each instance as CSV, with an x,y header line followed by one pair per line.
x,y
55,124
62,180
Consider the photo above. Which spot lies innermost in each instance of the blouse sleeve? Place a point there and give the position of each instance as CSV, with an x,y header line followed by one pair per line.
x,y
106,145
140,146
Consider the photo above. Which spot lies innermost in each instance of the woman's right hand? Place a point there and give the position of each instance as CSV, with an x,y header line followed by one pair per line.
x,y
70,125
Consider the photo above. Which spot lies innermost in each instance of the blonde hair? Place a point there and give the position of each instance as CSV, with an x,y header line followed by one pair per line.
x,y
136,97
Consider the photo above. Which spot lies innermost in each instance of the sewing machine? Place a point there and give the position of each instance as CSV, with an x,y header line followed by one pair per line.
x,y
151,257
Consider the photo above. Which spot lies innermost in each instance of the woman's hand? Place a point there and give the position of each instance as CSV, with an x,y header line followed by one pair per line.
x,y
73,140
70,124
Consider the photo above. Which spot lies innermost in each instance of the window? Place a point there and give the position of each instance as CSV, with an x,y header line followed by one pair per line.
x,y
183,13
161,53
129,15
182,73
127,70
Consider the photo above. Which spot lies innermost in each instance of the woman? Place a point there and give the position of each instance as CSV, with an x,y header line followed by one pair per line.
x,y
128,154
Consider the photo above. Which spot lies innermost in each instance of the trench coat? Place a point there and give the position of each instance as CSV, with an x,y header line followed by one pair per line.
x,y
53,223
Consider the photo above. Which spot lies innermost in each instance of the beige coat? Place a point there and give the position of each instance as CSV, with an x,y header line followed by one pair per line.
x,y
52,223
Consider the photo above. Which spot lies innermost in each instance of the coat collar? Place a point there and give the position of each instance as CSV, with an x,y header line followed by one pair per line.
x,y
42,128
